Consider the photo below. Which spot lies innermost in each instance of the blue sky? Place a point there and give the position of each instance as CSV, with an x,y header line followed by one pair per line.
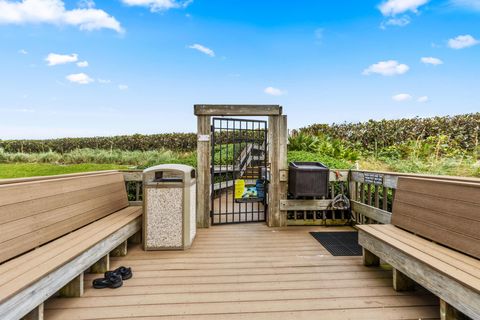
x,y
85,68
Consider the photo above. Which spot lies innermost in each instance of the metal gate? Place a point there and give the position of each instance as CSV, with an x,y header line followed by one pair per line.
x,y
238,171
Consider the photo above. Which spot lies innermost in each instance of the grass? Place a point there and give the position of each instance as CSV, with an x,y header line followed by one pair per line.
x,y
15,165
23,170
140,159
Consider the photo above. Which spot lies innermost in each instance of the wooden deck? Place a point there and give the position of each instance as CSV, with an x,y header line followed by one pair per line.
x,y
248,271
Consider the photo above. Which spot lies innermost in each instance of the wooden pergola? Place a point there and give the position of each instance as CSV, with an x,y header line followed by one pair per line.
x,y
277,156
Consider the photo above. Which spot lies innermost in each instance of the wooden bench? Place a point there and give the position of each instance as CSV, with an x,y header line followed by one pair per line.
x,y
434,240
53,230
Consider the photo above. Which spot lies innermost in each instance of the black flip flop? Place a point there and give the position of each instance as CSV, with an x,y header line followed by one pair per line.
x,y
124,272
111,281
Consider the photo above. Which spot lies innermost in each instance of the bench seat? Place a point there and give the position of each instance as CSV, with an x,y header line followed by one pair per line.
x,y
426,262
53,230
22,278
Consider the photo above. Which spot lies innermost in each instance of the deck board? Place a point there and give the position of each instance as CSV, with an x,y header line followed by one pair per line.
x,y
248,271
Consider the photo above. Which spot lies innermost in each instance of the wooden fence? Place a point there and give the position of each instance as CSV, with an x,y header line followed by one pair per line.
x,y
371,195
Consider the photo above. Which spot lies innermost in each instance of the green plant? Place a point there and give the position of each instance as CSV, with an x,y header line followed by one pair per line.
x,y
331,162
462,131
303,142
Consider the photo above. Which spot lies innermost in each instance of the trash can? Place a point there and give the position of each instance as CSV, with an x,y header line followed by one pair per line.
x,y
169,219
308,179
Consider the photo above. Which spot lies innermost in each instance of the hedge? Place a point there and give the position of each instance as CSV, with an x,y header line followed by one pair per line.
x,y
181,142
462,131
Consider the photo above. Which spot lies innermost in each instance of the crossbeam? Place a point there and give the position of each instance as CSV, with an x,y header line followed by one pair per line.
x,y
237,110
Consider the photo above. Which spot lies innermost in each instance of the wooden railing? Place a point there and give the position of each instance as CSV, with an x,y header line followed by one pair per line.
x,y
372,193
371,196
319,211
134,186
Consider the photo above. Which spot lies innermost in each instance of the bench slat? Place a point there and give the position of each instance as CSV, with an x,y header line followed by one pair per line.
x,y
21,210
24,191
445,284
22,227
470,263
453,221
34,213
427,256
44,263
27,261
25,300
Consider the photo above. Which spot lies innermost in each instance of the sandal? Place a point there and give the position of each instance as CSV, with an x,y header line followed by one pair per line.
x,y
110,281
124,272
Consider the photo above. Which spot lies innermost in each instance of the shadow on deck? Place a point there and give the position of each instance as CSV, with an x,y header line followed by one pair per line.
x,y
248,271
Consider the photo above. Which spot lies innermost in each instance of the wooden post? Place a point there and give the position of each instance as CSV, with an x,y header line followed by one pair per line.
x,y
447,312
101,266
74,288
401,282
274,219
136,238
369,259
120,251
283,165
35,314
353,192
203,171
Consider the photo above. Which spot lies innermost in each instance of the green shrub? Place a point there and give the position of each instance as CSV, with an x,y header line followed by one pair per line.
x,y
462,131
331,162
173,141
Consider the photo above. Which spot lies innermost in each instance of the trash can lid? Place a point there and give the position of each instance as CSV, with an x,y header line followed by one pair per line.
x,y
308,165
171,167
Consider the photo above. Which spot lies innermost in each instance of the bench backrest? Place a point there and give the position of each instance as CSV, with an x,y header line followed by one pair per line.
x,y
447,212
36,212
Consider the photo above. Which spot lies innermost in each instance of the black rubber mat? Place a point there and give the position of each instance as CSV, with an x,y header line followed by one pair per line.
x,y
339,243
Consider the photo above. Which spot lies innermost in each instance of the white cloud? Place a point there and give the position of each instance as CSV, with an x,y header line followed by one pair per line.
x,y
86,4
423,99
203,49
158,5
431,60
397,22
274,91
122,87
394,7
468,4
462,41
54,12
80,78
387,68
104,81
23,51
82,64
54,59
402,97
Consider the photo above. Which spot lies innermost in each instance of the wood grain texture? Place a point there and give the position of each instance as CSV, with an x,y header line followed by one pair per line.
x,y
35,212
68,175
286,205
370,212
19,304
248,272
237,110
20,273
447,212
274,188
445,276
203,173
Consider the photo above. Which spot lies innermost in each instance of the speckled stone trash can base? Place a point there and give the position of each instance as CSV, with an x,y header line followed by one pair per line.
x,y
165,218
